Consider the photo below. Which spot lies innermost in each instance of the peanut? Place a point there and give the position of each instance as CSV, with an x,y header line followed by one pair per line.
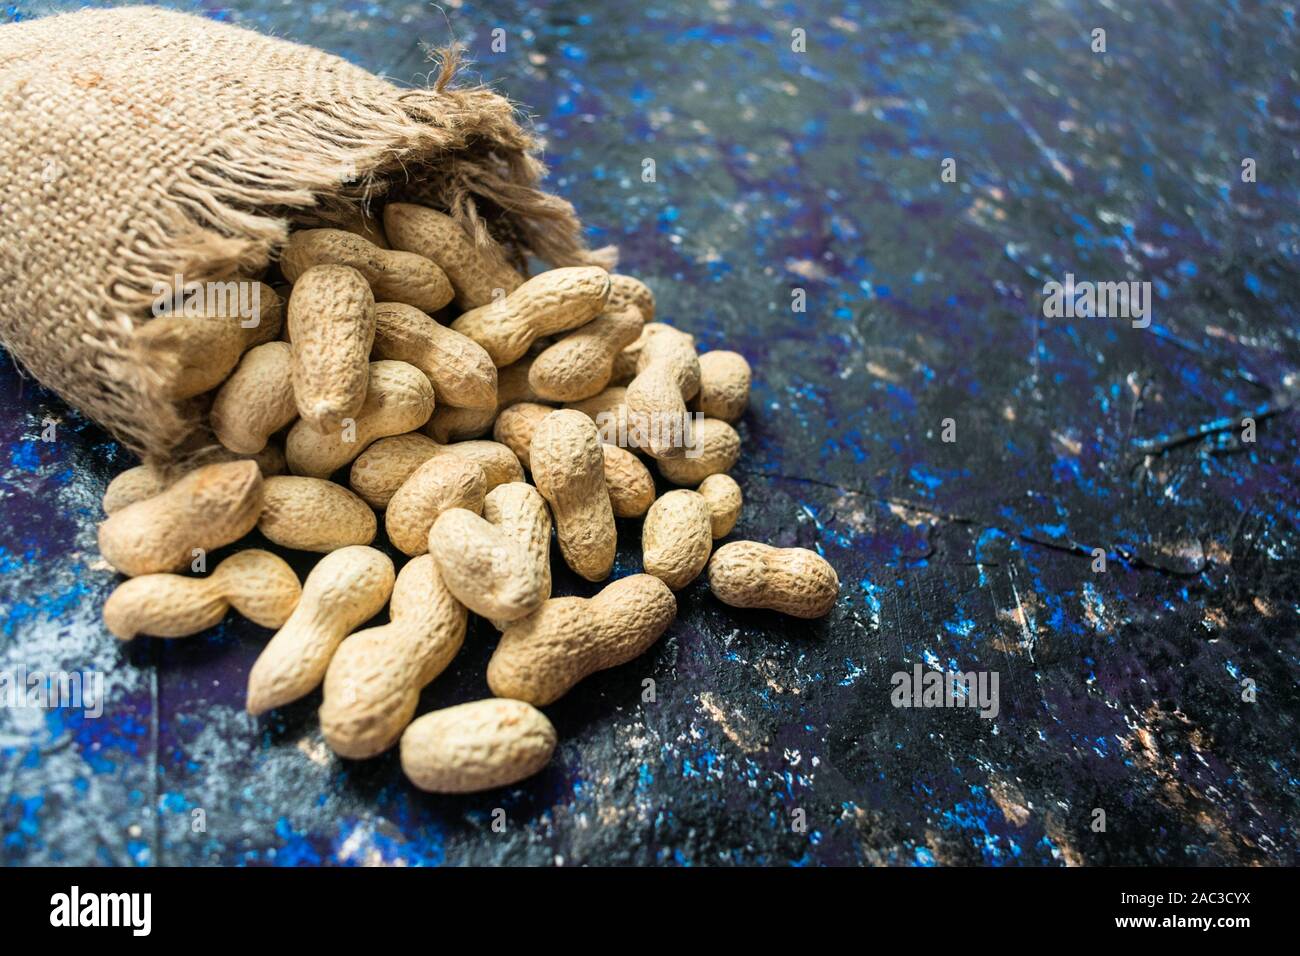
x,y
724,385
345,589
461,371
580,364
552,302
569,470
609,411
380,470
398,399
257,584
373,682
794,581
312,514
392,276
197,352
630,484
208,508
490,572
519,512
440,483
332,327
724,498
477,275
668,375
362,223
541,657
719,448
145,481
454,424
626,291
477,746
677,538
257,400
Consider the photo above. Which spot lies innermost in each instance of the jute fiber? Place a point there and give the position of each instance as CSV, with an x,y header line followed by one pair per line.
x,y
139,144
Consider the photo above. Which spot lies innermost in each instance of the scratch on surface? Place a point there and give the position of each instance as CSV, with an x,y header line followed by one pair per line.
x,y
1027,639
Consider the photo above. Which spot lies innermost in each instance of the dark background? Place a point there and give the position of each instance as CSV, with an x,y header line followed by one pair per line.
x,y
779,170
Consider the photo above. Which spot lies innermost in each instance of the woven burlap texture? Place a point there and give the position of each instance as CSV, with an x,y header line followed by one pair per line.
x,y
139,144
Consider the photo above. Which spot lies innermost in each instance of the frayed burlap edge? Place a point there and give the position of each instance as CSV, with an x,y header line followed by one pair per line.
x,y
460,148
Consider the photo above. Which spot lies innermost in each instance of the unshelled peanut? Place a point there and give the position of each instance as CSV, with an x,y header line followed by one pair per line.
x,y
552,302
519,512
441,483
257,584
667,377
725,500
569,470
631,486
345,589
490,572
718,447
540,658
195,353
312,514
724,385
460,369
331,329
398,399
208,508
145,481
477,746
794,581
393,276
373,682
580,364
380,470
478,275
257,400
677,537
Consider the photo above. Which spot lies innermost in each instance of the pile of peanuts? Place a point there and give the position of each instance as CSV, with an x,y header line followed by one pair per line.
x,y
373,405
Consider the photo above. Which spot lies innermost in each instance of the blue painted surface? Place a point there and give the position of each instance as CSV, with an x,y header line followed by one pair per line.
x,y
820,171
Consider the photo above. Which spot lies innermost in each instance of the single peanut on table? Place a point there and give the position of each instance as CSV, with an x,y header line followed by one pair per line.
x,y
794,581
477,746
541,657
257,584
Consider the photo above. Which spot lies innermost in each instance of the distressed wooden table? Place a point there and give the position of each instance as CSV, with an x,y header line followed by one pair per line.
x,y
961,457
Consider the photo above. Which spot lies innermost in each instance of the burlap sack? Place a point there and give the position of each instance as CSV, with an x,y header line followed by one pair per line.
x,y
139,144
